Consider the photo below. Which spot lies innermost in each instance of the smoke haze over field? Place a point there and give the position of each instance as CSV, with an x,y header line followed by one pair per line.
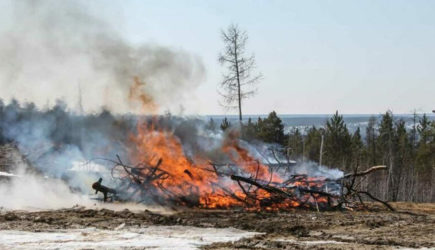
x,y
50,48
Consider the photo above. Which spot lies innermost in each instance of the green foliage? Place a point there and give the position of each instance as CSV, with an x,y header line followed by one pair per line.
x,y
403,145
371,138
295,143
312,144
337,143
249,131
408,154
402,158
271,129
425,148
357,148
385,141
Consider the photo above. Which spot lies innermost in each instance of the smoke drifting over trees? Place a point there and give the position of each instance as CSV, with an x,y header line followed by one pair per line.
x,y
49,48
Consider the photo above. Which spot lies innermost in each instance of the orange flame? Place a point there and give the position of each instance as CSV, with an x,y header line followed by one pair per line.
x,y
137,94
196,178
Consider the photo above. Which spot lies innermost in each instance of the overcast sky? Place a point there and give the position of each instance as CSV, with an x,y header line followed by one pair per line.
x,y
315,56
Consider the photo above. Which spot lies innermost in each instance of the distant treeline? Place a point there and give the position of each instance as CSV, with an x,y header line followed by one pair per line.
x,y
409,154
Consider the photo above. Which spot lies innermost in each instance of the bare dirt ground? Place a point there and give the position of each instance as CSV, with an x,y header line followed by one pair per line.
x,y
297,229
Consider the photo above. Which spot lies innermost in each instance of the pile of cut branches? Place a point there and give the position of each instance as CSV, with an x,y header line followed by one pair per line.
x,y
313,192
143,183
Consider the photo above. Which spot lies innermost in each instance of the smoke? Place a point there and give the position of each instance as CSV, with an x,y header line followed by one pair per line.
x,y
33,192
57,49
312,169
55,140
52,50
59,145
26,190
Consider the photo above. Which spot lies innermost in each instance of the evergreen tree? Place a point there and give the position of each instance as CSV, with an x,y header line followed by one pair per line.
x,y
312,144
424,150
371,137
337,143
357,148
271,129
386,145
403,159
249,131
225,124
386,138
295,143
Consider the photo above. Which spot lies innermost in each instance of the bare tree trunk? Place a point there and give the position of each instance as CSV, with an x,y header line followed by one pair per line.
x,y
321,151
239,95
390,181
432,193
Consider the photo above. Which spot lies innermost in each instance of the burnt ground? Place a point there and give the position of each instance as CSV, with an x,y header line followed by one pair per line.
x,y
296,229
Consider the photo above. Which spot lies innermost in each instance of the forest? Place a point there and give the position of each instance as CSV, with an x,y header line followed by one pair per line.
x,y
409,153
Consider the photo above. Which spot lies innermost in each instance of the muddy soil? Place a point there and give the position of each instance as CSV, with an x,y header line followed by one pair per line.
x,y
296,229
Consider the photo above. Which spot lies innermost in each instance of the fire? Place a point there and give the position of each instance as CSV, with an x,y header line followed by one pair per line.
x,y
193,176
243,159
153,144
196,182
168,175
138,94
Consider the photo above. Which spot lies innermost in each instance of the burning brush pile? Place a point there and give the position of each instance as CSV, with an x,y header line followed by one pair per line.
x,y
229,174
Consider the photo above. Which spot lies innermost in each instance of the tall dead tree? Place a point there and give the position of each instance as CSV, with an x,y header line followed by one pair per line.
x,y
238,81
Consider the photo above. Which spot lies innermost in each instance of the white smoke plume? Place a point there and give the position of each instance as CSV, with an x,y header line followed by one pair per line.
x,y
50,48
26,190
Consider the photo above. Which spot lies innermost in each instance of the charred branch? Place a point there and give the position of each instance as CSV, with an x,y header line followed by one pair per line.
x,y
268,188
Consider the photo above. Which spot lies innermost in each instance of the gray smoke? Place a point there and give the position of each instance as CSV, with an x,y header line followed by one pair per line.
x,y
50,48
60,145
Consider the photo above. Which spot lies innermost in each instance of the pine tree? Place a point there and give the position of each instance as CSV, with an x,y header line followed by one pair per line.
x,y
295,143
249,131
225,124
424,147
386,143
371,137
386,137
337,143
403,159
271,129
312,144
357,148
